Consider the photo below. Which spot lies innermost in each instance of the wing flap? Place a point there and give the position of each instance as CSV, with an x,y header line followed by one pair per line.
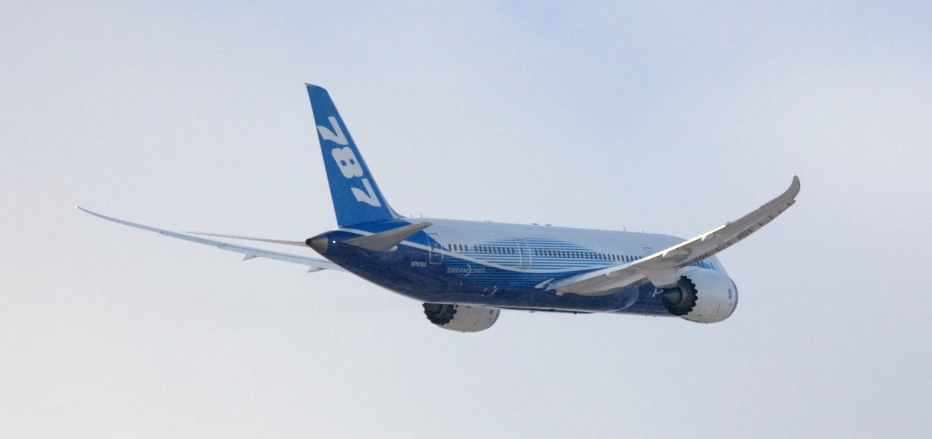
x,y
314,264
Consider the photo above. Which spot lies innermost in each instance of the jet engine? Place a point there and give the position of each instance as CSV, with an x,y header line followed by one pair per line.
x,y
702,296
462,318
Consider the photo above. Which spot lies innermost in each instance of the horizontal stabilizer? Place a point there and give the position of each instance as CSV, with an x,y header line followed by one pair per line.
x,y
387,240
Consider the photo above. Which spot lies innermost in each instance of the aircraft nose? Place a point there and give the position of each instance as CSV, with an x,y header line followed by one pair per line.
x,y
318,243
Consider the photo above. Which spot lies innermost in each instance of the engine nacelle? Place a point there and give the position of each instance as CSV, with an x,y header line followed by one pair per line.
x,y
702,296
462,318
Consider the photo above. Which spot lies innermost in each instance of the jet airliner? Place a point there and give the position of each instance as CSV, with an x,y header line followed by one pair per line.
x,y
467,272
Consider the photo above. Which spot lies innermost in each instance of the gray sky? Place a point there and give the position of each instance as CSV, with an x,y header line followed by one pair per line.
x,y
659,117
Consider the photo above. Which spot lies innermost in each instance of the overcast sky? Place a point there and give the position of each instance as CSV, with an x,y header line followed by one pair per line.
x,y
660,117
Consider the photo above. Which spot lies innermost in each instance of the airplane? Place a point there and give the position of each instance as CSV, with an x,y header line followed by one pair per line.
x,y
467,272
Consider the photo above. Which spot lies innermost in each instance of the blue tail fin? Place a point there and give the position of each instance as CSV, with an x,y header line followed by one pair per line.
x,y
356,196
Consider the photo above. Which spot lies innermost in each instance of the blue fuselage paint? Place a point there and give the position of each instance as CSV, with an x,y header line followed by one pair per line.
x,y
502,265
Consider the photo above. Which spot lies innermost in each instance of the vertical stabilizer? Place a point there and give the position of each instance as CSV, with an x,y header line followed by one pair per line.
x,y
356,196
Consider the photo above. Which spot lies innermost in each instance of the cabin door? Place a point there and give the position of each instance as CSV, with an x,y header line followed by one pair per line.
x,y
436,257
524,253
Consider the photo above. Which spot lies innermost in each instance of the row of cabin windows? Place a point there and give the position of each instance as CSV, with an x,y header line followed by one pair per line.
x,y
554,253
585,255
482,249
541,252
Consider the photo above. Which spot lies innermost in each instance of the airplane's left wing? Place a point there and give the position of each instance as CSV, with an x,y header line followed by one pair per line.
x,y
313,264
661,268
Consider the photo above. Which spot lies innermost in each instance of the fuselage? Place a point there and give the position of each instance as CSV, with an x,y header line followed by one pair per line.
x,y
504,266
466,272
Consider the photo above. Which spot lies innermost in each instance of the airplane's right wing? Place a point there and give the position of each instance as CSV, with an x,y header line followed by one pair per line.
x,y
661,268
313,264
